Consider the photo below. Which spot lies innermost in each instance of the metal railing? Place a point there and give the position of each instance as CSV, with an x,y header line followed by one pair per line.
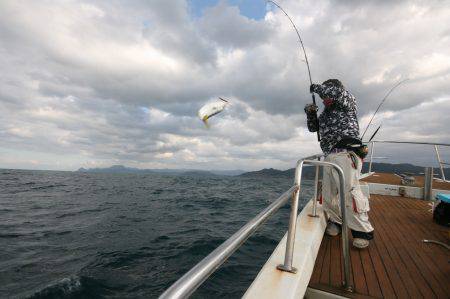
x,y
436,145
190,281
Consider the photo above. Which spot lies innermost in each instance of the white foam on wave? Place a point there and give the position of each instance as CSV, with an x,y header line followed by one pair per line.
x,y
65,286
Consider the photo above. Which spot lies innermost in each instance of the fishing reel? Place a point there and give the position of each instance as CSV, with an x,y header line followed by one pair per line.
x,y
362,151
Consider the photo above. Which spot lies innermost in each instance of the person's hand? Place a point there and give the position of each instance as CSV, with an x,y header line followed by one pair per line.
x,y
311,108
313,87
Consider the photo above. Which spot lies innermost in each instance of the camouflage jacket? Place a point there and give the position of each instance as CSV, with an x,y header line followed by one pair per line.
x,y
338,120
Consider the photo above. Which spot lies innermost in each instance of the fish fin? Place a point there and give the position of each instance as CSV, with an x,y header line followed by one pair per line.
x,y
205,121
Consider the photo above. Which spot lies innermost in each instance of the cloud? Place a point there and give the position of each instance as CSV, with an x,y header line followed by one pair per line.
x,y
225,26
100,83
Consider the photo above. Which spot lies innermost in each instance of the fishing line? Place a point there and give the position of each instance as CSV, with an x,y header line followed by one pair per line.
x,y
304,53
378,108
298,35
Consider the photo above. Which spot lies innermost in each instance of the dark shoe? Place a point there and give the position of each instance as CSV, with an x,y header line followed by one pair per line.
x,y
362,235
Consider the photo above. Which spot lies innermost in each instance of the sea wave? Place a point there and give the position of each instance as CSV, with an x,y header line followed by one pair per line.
x,y
64,288
129,236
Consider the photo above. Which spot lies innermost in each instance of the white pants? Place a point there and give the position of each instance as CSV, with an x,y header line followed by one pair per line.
x,y
356,202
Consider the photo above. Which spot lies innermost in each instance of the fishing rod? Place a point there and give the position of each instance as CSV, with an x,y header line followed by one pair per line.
x,y
378,108
306,58
375,133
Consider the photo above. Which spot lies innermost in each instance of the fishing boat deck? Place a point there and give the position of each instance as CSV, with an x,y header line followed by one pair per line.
x,y
397,264
392,179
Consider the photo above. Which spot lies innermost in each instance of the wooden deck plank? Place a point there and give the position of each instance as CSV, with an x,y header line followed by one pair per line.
x,y
410,286
420,232
391,273
424,266
437,261
422,224
359,279
369,272
418,229
325,274
397,263
315,277
335,264
411,264
380,271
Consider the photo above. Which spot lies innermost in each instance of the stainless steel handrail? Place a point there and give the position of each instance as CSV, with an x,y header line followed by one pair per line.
x,y
288,257
441,163
412,142
435,144
344,234
190,281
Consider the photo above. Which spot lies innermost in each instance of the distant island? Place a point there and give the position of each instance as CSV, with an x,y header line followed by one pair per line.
x,y
307,173
191,172
402,168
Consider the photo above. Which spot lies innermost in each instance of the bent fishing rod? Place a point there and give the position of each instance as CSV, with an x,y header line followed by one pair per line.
x,y
306,59
378,108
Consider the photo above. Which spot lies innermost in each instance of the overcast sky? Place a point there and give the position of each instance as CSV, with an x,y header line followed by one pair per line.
x,y
98,83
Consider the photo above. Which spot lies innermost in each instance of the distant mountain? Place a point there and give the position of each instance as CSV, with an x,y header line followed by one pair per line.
x,y
124,169
309,172
228,172
116,169
402,168
201,173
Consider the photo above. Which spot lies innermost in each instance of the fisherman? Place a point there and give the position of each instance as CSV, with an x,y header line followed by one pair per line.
x,y
339,131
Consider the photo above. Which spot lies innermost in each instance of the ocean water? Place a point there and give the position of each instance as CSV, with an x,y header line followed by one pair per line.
x,y
93,235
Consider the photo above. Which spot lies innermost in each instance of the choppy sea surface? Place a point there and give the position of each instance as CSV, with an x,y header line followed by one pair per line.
x,y
94,235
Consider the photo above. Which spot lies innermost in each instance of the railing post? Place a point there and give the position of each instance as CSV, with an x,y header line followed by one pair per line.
x,y
428,184
343,205
345,247
316,188
289,254
440,163
371,156
287,266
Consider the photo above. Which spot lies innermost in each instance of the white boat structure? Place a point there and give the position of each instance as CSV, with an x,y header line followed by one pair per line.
x,y
408,258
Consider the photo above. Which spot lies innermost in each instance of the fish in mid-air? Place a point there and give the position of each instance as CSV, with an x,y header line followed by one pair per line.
x,y
211,109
